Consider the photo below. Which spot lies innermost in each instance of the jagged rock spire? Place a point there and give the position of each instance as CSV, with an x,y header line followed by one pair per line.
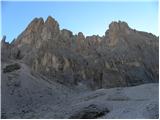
x,y
35,24
117,30
52,24
118,25
81,36
3,39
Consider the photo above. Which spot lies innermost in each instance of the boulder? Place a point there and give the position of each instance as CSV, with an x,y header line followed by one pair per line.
x,y
90,112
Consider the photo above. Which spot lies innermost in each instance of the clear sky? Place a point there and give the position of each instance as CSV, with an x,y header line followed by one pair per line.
x,y
87,17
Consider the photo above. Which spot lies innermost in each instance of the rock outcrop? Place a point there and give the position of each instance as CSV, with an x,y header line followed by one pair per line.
x,y
90,112
5,50
122,57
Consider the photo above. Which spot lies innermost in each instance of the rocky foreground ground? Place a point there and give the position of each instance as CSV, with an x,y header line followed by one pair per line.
x,y
27,95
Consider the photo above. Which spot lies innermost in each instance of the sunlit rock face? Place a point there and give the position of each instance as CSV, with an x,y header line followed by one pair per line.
x,y
116,31
122,57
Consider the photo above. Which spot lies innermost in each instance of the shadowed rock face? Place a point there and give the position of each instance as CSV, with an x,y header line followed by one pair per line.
x,y
5,49
123,57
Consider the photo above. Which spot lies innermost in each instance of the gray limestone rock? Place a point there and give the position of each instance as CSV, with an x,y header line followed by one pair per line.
x,y
123,57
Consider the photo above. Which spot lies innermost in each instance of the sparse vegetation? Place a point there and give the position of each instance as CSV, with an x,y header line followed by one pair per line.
x,y
12,67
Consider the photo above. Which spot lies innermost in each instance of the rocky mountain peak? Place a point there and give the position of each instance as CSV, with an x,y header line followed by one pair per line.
x,y
118,26
4,44
50,20
4,39
52,23
81,36
117,30
50,29
35,24
29,35
66,33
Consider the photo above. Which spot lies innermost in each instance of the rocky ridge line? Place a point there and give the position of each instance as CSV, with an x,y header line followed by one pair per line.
x,y
122,57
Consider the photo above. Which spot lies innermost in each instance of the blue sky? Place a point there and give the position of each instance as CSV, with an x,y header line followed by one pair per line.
x,y
87,17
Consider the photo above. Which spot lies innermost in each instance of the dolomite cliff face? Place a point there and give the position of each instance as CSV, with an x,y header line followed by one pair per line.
x,y
122,57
